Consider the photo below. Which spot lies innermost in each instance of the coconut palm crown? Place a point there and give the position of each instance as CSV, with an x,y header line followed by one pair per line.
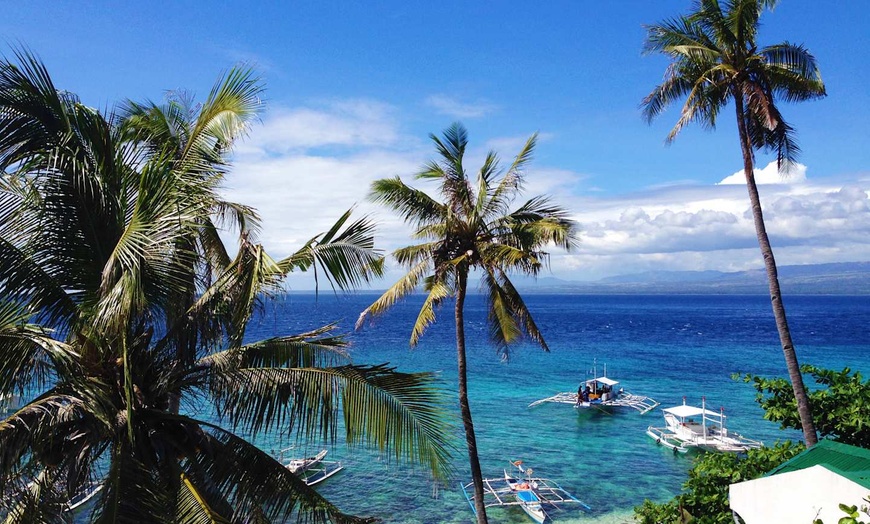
x,y
472,228
122,325
715,59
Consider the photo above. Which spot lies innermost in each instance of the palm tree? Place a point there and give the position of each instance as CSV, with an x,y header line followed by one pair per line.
x,y
716,59
472,229
95,251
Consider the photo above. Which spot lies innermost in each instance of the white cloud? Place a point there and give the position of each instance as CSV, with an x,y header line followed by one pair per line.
x,y
307,165
452,107
794,173
711,228
349,124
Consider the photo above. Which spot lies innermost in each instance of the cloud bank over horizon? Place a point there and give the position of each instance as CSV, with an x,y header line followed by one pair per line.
x,y
305,166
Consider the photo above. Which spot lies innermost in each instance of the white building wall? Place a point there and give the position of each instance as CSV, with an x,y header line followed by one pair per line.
x,y
797,497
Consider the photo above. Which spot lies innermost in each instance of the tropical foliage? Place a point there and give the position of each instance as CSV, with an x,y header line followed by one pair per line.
x,y
123,316
472,229
704,499
716,59
841,414
852,513
841,403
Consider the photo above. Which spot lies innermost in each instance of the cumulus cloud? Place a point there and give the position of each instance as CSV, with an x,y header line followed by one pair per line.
x,y
452,107
794,173
305,166
712,228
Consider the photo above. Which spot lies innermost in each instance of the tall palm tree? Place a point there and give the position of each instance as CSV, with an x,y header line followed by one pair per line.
x,y
95,252
716,59
473,228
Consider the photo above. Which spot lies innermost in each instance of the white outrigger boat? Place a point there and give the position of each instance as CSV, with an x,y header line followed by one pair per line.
x,y
82,498
531,494
601,392
314,469
683,431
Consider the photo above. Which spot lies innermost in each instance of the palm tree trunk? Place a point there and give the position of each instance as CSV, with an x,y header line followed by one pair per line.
x,y
464,408
791,361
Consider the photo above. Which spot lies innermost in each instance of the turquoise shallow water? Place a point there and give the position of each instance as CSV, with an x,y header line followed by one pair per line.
x,y
665,347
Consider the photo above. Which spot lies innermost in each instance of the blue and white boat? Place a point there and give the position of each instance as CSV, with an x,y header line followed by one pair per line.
x,y
524,491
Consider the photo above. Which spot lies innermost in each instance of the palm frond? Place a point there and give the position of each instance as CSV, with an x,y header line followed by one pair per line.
x,y
503,327
403,287
455,186
192,507
227,112
410,256
29,355
673,88
132,492
512,309
438,291
261,483
317,348
346,254
414,205
793,72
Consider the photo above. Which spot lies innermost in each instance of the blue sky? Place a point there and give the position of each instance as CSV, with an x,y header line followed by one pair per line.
x,y
354,88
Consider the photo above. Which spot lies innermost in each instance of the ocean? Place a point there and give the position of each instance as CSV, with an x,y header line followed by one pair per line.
x,y
665,347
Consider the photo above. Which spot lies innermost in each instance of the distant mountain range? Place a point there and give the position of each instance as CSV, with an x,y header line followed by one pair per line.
x,y
849,278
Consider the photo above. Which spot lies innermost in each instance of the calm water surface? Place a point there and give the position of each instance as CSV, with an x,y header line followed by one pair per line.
x,y
665,347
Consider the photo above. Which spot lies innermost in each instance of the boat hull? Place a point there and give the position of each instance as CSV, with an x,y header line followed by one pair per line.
x,y
531,504
529,501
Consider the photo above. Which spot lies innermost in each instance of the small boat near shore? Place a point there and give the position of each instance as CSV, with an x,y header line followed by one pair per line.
x,y
690,427
84,496
531,494
601,391
314,469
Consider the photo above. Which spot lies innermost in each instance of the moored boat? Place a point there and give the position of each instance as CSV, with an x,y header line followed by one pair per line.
x,y
534,495
690,427
601,391
524,491
314,469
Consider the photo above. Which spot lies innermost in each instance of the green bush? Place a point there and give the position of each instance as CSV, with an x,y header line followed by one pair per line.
x,y
841,407
704,499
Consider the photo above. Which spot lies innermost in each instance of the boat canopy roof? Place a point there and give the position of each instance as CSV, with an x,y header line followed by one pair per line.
x,y
691,411
603,380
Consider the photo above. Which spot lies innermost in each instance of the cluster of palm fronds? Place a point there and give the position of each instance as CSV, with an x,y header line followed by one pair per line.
x,y
123,315
473,228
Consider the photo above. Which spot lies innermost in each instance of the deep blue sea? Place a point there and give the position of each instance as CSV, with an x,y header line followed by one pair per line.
x,y
666,347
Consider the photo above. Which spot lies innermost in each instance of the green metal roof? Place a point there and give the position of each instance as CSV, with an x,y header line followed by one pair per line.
x,y
847,461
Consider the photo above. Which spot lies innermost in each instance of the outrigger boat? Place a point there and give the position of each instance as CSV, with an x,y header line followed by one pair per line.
x,y
314,469
531,494
601,391
82,498
683,431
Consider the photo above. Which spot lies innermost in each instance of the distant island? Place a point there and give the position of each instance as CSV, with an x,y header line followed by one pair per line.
x,y
847,278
